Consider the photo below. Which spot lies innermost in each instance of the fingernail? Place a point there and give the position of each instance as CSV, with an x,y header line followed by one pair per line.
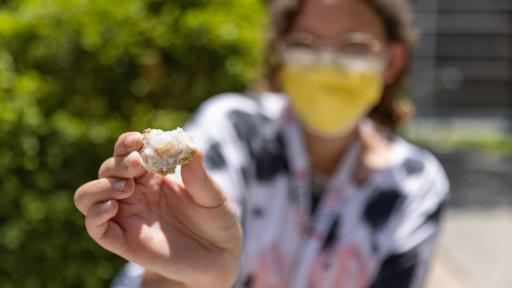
x,y
119,185
105,205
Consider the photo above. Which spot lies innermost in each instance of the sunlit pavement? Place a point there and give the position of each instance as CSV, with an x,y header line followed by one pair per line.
x,y
475,250
475,245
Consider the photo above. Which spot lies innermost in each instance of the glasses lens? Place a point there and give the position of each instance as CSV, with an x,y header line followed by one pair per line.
x,y
300,41
299,50
355,49
360,45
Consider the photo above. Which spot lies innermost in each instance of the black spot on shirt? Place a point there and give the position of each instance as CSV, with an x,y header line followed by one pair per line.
x,y
245,174
315,200
332,236
397,271
375,245
379,208
413,166
436,214
318,186
247,282
266,151
246,124
293,194
258,212
213,157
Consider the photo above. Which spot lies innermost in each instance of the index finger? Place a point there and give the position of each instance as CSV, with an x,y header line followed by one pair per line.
x,y
127,143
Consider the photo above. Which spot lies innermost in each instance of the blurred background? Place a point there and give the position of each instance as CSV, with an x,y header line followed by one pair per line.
x,y
74,74
462,88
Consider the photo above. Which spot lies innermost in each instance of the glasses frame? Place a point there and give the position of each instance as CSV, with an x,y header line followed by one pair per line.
x,y
329,51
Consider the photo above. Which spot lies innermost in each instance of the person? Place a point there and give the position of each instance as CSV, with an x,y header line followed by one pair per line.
x,y
306,186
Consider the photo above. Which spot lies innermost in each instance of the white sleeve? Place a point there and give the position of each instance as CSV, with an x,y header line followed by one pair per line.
x,y
129,277
417,224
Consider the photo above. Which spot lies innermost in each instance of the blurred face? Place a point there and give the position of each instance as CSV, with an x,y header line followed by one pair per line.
x,y
336,61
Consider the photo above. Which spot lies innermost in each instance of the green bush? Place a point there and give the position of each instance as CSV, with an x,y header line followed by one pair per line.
x,y
74,74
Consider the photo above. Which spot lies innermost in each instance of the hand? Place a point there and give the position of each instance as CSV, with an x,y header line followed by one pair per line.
x,y
186,232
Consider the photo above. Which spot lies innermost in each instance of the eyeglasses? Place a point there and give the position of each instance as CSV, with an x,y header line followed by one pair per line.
x,y
355,49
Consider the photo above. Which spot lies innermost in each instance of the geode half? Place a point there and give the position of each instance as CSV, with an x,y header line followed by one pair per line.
x,y
164,150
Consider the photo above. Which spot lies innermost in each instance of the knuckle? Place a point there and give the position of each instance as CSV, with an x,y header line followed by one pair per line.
x,y
93,212
101,185
125,143
122,138
133,164
134,160
105,166
120,143
77,197
81,193
121,166
90,227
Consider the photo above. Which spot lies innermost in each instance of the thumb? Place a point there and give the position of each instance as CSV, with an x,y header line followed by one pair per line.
x,y
200,185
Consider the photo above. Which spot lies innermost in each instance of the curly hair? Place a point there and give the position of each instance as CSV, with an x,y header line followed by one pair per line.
x,y
397,19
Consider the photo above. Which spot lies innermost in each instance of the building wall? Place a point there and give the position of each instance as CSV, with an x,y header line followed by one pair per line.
x,y
464,61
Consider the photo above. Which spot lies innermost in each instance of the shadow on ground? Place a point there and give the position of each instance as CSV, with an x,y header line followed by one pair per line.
x,y
479,180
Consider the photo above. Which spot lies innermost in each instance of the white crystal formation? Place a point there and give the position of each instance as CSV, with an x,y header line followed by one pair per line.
x,y
164,150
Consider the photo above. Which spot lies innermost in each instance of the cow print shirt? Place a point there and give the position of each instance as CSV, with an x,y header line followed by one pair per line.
x,y
382,236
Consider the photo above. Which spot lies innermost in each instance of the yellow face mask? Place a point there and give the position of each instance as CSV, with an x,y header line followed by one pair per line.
x,y
329,100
